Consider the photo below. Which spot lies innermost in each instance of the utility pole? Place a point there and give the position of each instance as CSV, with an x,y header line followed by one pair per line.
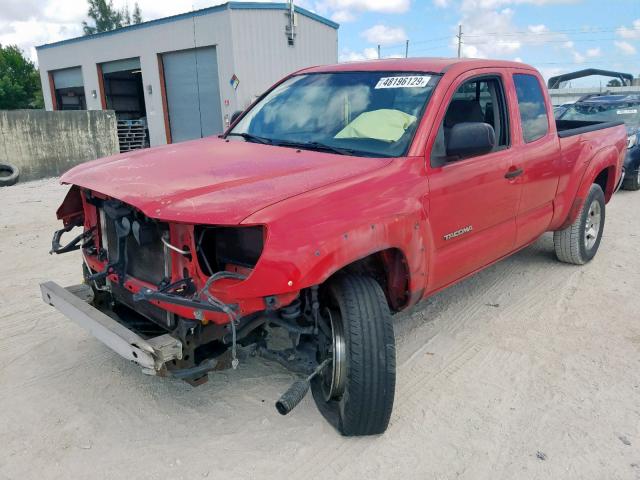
x,y
459,40
378,52
406,50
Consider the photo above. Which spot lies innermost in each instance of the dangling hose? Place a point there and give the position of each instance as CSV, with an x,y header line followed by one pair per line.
x,y
224,307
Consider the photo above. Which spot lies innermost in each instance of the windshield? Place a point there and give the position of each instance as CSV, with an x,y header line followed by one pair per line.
x,y
628,113
354,113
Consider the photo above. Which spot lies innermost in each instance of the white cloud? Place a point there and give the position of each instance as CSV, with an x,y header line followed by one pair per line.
x,y
538,29
578,57
491,4
594,52
383,35
348,10
625,47
441,3
343,16
380,6
488,33
632,33
351,56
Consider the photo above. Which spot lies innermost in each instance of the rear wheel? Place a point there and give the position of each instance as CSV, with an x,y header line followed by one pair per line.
x,y
355,391
579,242
632,182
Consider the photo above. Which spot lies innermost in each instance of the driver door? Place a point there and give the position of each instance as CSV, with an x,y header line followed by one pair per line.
x,y
472,205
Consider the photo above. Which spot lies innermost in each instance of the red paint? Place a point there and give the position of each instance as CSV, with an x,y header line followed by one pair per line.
x,y
52,90
324,211
101,91
163,94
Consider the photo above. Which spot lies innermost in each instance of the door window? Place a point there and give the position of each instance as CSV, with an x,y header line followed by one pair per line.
x,y
533,111
477,100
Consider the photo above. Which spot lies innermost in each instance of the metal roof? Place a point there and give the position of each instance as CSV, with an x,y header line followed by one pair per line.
x,y
416,64
196,13
554,82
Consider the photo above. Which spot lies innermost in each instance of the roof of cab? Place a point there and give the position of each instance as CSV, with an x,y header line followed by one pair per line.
x,y
431,65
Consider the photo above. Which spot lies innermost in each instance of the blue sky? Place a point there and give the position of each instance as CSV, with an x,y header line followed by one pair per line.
x,y
554,35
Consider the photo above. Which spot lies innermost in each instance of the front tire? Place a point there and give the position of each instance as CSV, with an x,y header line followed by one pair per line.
x,y
578,243
355,392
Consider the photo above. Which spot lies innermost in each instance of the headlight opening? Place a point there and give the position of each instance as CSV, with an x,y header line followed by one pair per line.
x,y
226,248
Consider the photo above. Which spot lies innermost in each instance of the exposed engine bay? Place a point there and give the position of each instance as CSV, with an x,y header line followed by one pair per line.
x,y
158,280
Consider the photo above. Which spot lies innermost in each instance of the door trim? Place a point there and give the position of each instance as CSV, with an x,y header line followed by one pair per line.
x,y
163,95
101,92
52,88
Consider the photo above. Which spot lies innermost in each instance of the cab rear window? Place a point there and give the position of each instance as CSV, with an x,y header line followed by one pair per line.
x,y
533,110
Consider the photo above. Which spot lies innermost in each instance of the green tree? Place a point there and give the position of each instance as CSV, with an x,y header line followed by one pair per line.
x,y
104,17
137,14
19,80
614,83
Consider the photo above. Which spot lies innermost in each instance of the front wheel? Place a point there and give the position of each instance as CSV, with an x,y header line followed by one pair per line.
x,y
355,391
579,242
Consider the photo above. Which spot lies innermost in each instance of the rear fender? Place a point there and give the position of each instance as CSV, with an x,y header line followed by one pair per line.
x,y
605,160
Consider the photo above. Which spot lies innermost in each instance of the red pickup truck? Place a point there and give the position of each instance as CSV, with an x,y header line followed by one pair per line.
x,y
343,194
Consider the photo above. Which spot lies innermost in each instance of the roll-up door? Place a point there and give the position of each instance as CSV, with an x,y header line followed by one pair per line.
x,y
193,93
68,89
122,91
68,78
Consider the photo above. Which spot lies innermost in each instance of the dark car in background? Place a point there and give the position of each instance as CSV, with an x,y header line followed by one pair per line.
x,y
607,108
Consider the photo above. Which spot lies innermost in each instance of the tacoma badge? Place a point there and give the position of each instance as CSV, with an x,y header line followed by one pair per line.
x,y
457,233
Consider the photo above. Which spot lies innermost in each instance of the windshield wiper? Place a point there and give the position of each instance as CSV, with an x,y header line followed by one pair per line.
x,y
251,138
317,146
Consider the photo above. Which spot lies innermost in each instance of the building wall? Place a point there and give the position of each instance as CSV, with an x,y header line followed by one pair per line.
x,y
250,43
570,95
146,43
259,68
46,144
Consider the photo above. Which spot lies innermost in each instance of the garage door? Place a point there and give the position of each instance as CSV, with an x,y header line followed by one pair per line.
x,y
68,89
193,93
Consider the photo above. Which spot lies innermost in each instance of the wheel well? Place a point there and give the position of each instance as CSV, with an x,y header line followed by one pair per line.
x,y
390,269
603,180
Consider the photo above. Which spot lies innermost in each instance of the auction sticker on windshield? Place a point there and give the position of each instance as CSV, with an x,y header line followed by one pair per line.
x,y
407,81
627,112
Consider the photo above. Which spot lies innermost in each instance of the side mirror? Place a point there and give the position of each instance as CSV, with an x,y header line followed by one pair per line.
x,y
470,138
235,116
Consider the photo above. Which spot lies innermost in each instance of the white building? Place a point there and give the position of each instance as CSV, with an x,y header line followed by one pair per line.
x,y
185,75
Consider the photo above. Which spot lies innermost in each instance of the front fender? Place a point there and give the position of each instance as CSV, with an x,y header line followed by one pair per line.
x,y
312,236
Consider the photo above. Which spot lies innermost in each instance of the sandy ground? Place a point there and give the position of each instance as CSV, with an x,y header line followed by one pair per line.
x,y
530,369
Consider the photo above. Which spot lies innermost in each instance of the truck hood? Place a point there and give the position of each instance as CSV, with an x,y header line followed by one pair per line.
x,y
214,181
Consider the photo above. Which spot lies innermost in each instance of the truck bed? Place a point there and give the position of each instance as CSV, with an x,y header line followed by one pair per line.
x,y
569,128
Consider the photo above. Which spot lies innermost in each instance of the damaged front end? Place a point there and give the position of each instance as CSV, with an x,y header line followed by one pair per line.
x,y
156,292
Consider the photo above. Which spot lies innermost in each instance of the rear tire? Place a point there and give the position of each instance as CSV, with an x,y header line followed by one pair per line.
x,y
578,243
360,403
632,182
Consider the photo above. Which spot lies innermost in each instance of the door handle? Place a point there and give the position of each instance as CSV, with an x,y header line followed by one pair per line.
x,y
511,174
